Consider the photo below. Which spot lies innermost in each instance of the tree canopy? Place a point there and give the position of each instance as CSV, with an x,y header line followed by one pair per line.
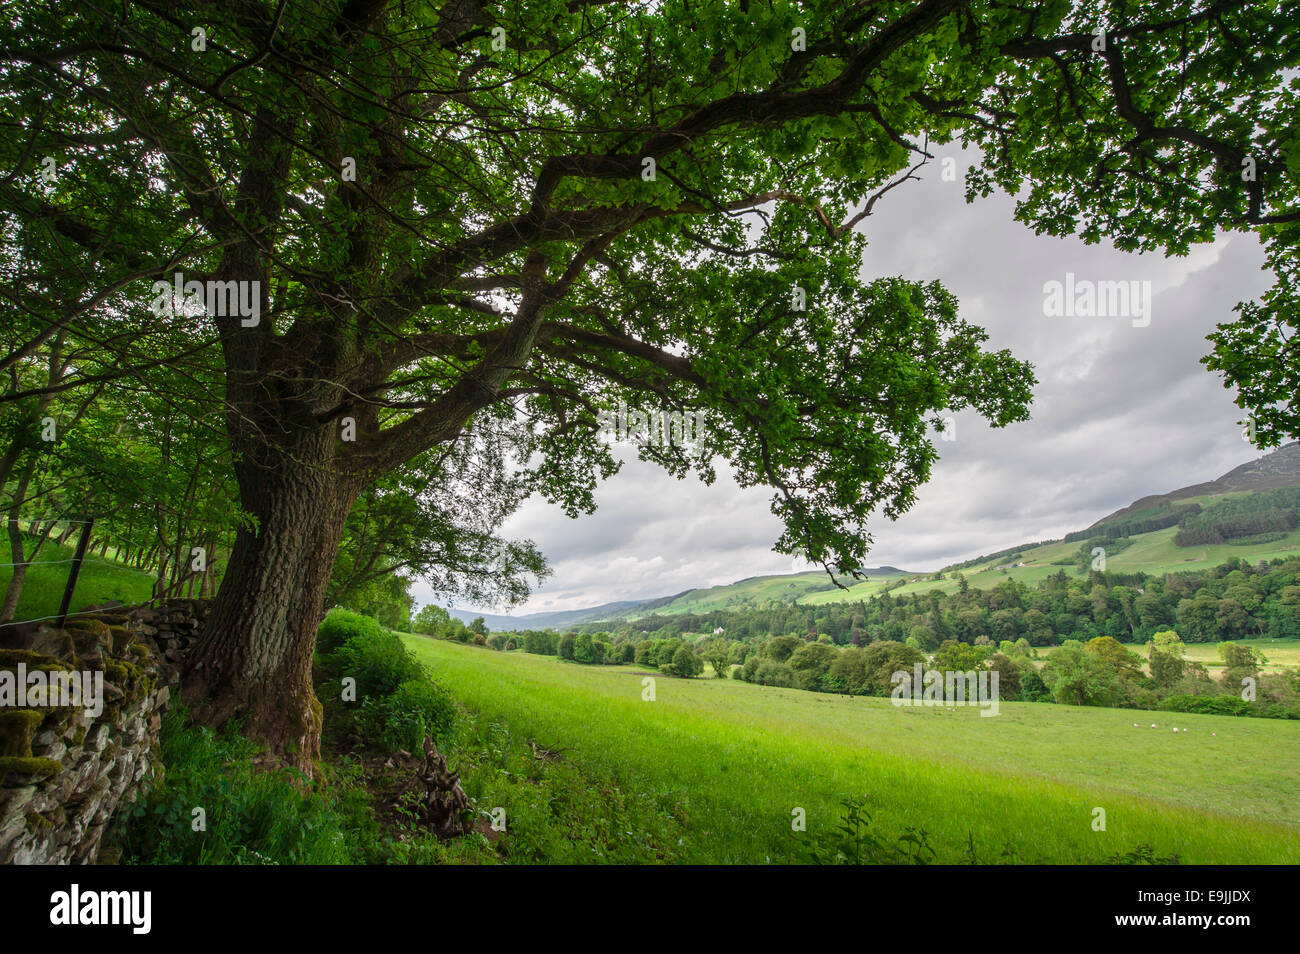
x,y
416,224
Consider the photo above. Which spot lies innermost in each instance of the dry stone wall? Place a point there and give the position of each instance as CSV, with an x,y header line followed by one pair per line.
x,y
65,769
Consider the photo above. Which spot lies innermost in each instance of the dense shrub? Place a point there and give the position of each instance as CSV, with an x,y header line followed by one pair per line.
x,y
341,625
1208,705
781,648
769,672
810,663
1032,687
1228,705
377,661
429,620
541,642
397,703
584,649
1082,678
416,708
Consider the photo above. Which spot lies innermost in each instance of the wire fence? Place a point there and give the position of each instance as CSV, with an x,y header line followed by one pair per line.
x,y
102,537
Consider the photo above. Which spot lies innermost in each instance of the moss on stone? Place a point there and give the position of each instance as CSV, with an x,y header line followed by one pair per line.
x,y
108,619
31,765
138,650
10,659
17,727
89,624
134,680
36,820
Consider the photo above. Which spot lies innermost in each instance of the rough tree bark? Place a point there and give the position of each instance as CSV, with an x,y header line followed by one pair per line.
x,y
254,658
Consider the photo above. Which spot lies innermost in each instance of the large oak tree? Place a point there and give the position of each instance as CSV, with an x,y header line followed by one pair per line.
x,y
469,218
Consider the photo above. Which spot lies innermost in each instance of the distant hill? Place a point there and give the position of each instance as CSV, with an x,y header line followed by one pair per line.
x,y
1150,551
1150,524
559,619
1281,468
749,592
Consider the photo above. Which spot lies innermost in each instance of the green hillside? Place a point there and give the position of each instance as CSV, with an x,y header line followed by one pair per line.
x,y
759,590
728,761
1154,553
102,580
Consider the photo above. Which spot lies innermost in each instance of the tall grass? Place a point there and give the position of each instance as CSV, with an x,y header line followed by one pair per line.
x,y
213,806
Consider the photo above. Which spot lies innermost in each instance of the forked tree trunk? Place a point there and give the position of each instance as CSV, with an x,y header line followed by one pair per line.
x,y
254,658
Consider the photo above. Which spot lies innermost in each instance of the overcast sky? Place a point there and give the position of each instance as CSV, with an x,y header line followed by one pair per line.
x,y
1119,412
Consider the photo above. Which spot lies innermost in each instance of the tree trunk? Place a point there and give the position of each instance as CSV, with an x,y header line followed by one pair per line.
x,y
14,591
254,658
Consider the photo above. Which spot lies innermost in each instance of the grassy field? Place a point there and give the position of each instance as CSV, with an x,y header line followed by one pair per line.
x,y
731,761
1280,653
100,581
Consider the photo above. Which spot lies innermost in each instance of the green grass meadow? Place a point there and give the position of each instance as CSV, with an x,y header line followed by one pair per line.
x,y
731,762
100,581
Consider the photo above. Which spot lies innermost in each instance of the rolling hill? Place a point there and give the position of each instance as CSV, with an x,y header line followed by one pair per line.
x,y
749,592
1153,551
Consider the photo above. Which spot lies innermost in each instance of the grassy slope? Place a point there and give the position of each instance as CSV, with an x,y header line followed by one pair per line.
x,y
100,582
735,759
1153,553
752,592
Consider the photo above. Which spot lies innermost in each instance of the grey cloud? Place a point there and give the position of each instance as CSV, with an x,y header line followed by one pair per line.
x,y
1120,412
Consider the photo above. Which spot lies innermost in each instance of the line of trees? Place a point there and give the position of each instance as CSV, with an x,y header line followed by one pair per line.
x,y
1235,600
1147,520
1270,511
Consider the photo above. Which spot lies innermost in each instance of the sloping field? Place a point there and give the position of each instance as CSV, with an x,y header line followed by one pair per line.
x,y
1153,553
735,760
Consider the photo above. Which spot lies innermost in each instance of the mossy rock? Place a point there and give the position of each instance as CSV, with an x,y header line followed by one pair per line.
x,y
89,624
90,637
10,658
36,820
17,728
31,765
137,650
112,620
131,678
